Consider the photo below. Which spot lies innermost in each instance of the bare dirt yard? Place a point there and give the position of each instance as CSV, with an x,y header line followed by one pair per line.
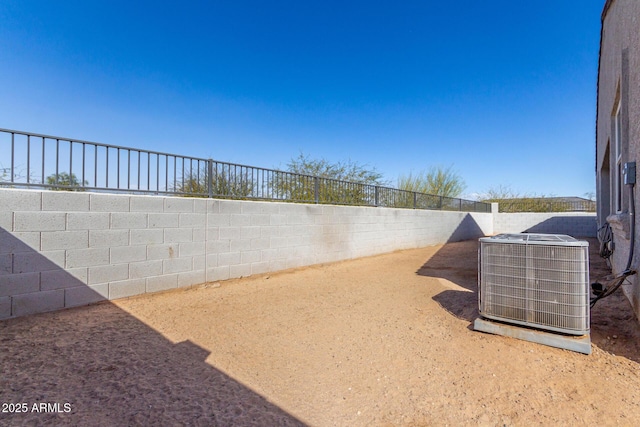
x,y
379,341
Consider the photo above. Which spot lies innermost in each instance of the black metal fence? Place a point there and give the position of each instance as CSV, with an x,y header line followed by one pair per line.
x,y
29,160
545,205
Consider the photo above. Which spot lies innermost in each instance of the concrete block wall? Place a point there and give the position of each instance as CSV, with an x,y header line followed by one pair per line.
x,y
245,238
65,249
575,224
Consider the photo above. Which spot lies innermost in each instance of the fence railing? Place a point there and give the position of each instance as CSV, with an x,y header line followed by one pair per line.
x,y
545,205
29,160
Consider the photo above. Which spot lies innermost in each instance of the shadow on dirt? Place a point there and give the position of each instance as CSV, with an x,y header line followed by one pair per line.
x,y
456,263
614,327
112,369
108,367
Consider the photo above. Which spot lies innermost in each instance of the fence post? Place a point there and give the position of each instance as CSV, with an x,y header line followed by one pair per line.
x,y
440,203
415,200
316,189
460,205
210,177
376,201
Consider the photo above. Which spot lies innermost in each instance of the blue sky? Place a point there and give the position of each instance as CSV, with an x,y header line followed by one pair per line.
x,y
504,91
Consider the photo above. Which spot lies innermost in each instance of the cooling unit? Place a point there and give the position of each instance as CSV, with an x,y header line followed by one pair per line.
x,y
535,280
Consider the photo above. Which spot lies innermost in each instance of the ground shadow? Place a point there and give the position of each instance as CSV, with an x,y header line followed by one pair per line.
x,y
457,263
99,365
614,327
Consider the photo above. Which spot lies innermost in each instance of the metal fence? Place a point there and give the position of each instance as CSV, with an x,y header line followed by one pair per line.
x,y
545,205
29,160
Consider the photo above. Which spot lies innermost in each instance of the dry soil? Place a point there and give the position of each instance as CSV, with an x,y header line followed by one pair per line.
x,y
379,341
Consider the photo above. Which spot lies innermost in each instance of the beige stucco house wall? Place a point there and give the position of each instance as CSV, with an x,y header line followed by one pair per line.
x,y
618,130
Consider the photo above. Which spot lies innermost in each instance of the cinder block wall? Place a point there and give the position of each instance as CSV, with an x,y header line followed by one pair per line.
x,y
64,249
575,224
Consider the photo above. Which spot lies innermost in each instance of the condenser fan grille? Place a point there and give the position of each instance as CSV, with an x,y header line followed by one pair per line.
x,y
543,284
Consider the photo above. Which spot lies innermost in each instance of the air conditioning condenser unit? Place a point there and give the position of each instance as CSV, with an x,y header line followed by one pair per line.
x,y
538,283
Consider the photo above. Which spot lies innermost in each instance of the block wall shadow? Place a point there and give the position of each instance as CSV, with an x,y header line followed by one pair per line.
x,y
467,229
576,226
109,367
32,283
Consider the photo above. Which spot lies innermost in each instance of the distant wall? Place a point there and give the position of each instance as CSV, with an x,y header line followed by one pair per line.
x,y
575,224
63,249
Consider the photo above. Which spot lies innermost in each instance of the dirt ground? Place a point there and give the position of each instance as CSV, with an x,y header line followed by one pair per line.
x,y
379,341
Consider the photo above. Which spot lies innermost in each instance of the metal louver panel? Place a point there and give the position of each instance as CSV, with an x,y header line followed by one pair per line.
x,y
535,280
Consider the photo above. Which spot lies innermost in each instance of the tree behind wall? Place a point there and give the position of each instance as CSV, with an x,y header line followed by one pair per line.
x,y
65,181
337,182
226,181
437,181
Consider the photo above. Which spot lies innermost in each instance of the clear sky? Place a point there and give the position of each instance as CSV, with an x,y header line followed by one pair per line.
x,y
505,91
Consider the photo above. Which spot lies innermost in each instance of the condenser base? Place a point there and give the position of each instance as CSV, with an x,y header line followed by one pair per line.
x,y
579,344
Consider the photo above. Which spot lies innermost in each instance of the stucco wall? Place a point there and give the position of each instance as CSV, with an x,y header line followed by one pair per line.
x,y
64,249
619,78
